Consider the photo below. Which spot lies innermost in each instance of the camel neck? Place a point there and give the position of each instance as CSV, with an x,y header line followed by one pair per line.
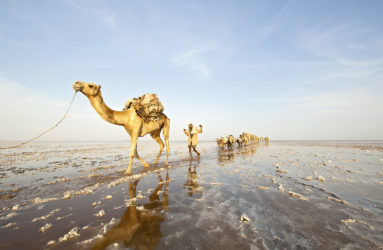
x,y
106,113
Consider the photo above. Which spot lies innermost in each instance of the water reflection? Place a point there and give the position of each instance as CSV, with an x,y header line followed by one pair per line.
x,y
250,150
140,225
227,156
191,184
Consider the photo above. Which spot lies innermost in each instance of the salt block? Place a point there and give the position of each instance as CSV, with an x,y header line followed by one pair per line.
x,y
245,218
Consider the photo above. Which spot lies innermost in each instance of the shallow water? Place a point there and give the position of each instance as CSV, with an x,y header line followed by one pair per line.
x,y
285,195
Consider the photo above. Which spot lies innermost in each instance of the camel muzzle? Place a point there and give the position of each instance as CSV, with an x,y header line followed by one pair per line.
x,y
77,86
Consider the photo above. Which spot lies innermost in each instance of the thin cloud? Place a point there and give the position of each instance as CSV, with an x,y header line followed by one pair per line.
x,y
192,60
99,12
110,21
355,102
341,41
278,20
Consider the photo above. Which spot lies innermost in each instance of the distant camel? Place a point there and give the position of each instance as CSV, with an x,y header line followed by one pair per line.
x,y
239,142
230,141
221,142
130,120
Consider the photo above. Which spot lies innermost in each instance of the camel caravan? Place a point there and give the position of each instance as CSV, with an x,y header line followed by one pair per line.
x,y
144,115
243,140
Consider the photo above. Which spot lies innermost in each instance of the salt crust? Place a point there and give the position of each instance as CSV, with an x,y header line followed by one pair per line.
x,y
296,195
74,232
45,227
44,217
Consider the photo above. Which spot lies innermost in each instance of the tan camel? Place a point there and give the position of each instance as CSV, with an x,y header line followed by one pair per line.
x,y
130,120
221,142
243,139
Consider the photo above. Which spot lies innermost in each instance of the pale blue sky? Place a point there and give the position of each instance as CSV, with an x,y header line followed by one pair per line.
x,y
283,69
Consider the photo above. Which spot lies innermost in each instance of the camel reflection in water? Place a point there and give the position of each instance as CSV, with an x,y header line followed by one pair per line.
x,y
225,156
139,228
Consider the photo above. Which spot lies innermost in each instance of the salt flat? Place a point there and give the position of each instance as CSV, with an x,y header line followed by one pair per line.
x,y
287,194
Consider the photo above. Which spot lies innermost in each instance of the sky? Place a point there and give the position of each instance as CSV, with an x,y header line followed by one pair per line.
x,y
289,70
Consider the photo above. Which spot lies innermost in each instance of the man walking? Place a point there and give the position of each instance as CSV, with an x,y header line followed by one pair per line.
x,y
192,135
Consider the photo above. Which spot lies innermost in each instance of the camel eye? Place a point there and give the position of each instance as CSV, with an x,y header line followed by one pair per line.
x,y
91,86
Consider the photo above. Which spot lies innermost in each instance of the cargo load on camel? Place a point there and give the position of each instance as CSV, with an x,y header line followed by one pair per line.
x,y
148,106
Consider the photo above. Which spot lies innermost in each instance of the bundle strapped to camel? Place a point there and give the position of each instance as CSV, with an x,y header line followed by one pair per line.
x,y
148,106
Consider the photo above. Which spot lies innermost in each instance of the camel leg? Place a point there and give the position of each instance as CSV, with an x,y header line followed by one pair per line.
x,y
157,138
166,137
133,153
140,159
133,147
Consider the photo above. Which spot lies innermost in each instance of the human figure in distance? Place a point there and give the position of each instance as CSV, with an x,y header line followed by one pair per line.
x,y
192,135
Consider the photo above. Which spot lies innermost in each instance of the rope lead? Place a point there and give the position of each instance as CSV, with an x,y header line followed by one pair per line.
x,y
46,131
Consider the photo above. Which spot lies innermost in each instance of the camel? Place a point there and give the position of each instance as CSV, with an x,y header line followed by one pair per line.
x,y
239,142
243,139
247,137
251,138
222,142
230,141
130,120
254,138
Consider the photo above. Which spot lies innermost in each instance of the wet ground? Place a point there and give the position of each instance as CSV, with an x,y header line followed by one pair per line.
x,y
285,195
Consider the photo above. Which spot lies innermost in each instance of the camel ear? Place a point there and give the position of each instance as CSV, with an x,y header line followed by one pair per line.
x,y
127,105
98,87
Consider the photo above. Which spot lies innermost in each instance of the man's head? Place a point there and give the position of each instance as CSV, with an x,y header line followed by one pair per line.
x,y
190,126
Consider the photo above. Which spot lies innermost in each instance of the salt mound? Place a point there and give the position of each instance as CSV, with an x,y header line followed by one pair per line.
x,y
296,195
45,227
74,232
100,213
262,188
245,218
321,179
337,200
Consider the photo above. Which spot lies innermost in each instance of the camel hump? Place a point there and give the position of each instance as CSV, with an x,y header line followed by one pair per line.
x,y
148,106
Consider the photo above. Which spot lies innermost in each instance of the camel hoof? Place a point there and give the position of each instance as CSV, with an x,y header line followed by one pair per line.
x,y
127,172
147,165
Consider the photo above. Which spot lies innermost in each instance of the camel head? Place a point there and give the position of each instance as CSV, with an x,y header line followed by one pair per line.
x,y
88,89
